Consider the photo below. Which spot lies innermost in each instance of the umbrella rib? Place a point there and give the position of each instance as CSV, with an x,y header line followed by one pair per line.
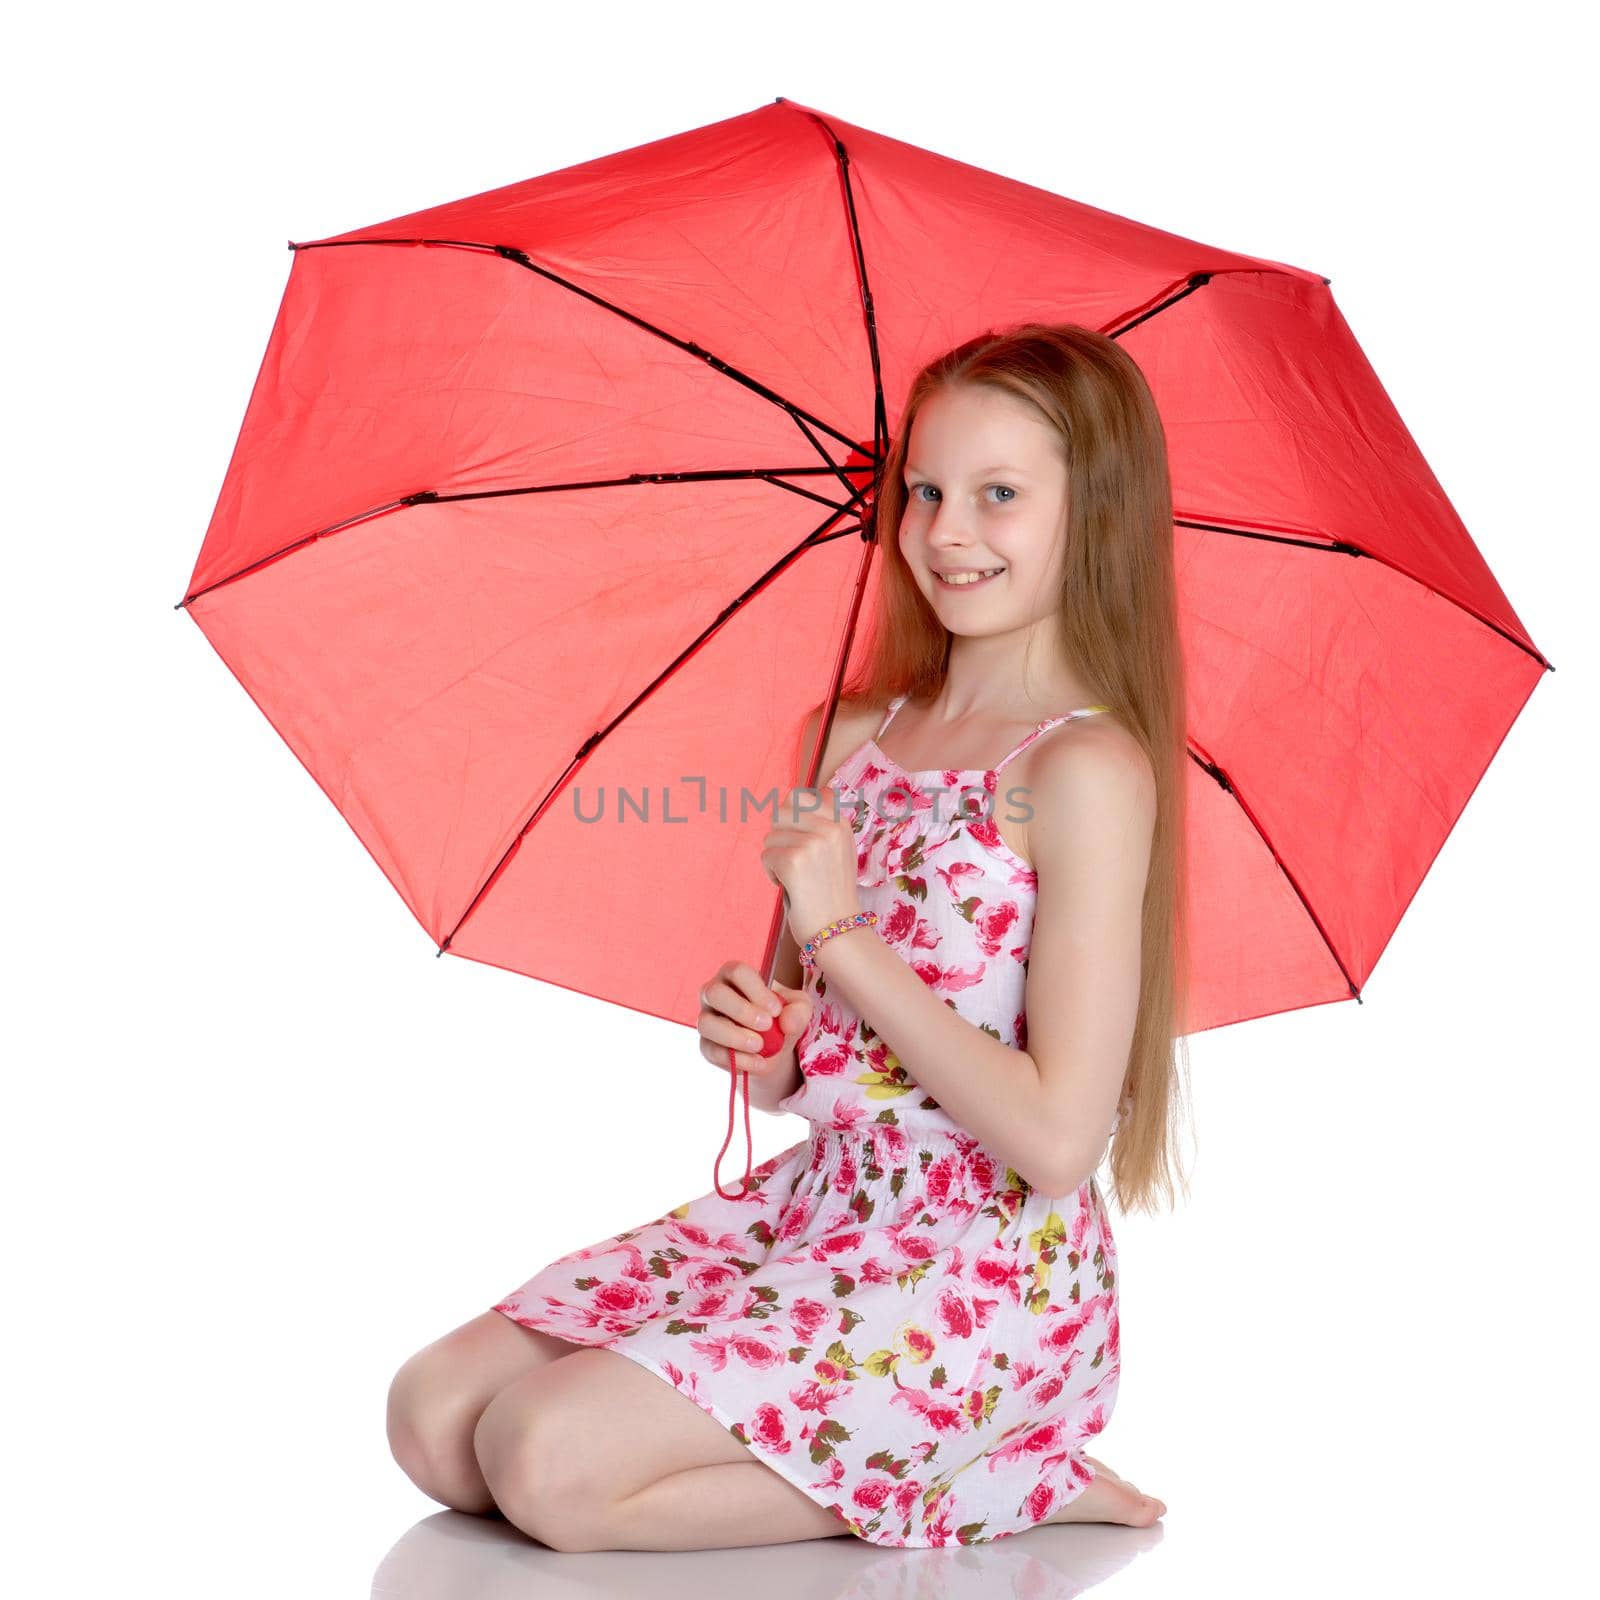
x,y
809,494
1195,280
688,346
1198,280
1343,547
1216,771
880,420
432,497
879,451
834,466
818,536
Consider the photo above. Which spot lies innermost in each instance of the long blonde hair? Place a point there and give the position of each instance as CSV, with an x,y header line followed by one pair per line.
x,y
1118,621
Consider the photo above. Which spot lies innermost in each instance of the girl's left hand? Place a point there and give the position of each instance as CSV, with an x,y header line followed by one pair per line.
x,y
811,855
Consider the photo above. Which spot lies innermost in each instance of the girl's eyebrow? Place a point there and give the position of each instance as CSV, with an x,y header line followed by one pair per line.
x,y
1001,467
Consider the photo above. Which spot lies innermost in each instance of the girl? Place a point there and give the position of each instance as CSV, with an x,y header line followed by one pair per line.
x,y
907,1329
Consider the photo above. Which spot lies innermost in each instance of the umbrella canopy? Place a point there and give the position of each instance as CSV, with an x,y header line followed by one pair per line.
x,y
554,496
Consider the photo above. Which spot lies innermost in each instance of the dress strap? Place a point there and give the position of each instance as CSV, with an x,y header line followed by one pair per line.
x,y
894,705
1045,726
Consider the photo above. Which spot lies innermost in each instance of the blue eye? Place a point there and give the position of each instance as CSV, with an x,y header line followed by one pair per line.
x,y
912,491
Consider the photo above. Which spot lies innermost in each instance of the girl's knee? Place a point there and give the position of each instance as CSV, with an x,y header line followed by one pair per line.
x,y
437,1397
430,1425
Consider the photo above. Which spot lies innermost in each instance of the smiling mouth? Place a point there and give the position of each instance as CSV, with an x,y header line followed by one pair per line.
x,y
968,580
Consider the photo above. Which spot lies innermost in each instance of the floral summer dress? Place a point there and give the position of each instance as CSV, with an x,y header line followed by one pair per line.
x,y
891,1318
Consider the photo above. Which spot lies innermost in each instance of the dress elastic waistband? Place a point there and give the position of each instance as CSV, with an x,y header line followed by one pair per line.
x,y
892,1147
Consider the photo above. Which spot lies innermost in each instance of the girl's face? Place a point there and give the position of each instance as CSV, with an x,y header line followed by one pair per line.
x,y
986,488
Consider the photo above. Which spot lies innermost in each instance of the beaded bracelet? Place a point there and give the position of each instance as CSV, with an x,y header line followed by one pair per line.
x,y
862,919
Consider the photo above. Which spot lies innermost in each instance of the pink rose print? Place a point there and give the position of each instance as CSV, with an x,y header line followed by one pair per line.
x,y
1094,1422
707,1276
938,1529
844,1180
936,1411
819,1395
807,1316
1000,1274
959,877
984,1171
793,1225
993,923
1075,1233
943,1178
1063,1335
765,1430
848,1117
619,1298
906,1496
872,1494
830,1372
755,1352
890,1144
1038,1441
983,829
1040,1502
915,1247
708,1307
837,1244
701,1240
948,980
831,1060
953,1312
749,1350
897,925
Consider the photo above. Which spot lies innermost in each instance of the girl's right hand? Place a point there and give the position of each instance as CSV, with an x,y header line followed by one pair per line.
x,y
737,1008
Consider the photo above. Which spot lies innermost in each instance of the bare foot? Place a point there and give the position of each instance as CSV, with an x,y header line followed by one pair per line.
x,y
1110,1499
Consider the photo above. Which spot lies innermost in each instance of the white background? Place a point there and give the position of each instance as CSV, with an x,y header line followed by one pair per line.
x,y
261,1145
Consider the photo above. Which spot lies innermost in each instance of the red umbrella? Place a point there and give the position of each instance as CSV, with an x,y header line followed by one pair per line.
x,y
559,495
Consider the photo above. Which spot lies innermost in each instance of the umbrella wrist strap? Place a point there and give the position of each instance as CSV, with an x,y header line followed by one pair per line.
x,y
808,951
